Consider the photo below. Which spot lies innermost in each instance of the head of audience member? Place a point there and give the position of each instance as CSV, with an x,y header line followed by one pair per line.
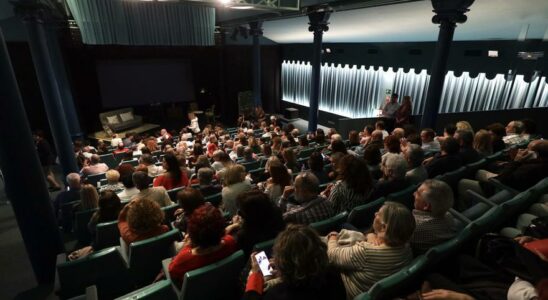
x,y
300,256
109,206
146,159
144,215
414,156
427,135
399,133
465,138
171,166
497,131
540,147
190,199
121,146
191,116
319,136
338,146
307,187
201,162
330,132
163,132
434,196
234,174
181,158
94,159
394,168
141,180
259,214
392,144
334,159
464,125
278,173
529,126
368,130
514,127
125,169
354,172
450,146
74,181
240,150
372,155
376,135
248,154
379,125
394,224
449,130
289,157
127,180
353,138
303,141
482,142
197,150
89,197
315,162
205,176
267,150
113,176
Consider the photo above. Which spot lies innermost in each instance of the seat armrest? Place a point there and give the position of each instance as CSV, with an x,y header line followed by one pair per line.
x,y
123,249
91,293
459,216
165,268
499,185
480,198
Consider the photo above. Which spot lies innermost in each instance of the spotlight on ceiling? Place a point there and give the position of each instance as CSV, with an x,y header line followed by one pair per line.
x,y
530,55
493,53
327,50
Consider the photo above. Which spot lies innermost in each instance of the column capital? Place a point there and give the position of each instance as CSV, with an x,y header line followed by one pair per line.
x,y
318,17
256,28
452,11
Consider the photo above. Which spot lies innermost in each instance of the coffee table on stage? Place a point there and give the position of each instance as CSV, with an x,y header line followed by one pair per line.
x,y
102,135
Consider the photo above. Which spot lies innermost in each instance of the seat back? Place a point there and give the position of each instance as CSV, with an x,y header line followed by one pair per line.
x,y
133,162
93,179
404,196
224,273
159,290
67,215
472,168
215,199
452,178
107,235
118,157
362,216
145,257
173,193
251,165
105,269
265,246
81,220
332,224
109,160
306,152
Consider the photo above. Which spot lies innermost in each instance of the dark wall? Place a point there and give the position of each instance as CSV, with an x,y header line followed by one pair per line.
x,y
468,56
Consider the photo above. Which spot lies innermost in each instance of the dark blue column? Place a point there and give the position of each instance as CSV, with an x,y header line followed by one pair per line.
x,y
25,185
448,14
63,85
34,19
256,30
318,17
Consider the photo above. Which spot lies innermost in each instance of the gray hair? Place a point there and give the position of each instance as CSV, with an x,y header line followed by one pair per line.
x,y
308,182
73,179
336,137
397,164
400,223
415,155
439,195
205,175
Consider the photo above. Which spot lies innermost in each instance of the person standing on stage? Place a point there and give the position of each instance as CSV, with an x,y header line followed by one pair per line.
x,y
194,126
390,108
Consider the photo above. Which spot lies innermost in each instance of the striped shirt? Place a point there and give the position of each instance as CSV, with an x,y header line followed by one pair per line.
x,y
430,231
313,211
343,198
363,264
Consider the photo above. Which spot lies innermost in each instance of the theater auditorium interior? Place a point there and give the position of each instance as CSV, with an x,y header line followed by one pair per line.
x,y
276,149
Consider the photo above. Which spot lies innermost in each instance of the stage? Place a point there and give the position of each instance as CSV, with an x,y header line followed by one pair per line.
x,y
301,124
102,135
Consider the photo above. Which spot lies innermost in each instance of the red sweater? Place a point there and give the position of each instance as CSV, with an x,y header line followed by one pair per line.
x,y
186,261
168,183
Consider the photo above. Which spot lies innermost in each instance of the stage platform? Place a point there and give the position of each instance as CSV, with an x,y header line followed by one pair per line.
x,y
102,135
301,124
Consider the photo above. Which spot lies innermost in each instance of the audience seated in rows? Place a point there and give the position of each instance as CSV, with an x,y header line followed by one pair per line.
x,y
416,171
429,144
205,179
94,166
467,153
189,199
448,160
393,180
234,184
316,166
141,219
113,184
156,194
71,194
173,177
279,178
89,198
109,208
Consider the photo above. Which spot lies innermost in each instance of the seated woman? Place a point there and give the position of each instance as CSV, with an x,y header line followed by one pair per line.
x,y
174,177
300,258
291,160
234,183
279,179
205,243
141,219
89,198
382,252
109,208
189,200
258,220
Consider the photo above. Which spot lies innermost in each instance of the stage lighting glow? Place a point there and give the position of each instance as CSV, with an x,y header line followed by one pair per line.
x,y
493,53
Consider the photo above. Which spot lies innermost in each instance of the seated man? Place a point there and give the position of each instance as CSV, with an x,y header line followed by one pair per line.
x,y
312,207
156,194
467,153
393,180
147,161
95,166
205,177
414,156
428,142
433,199
514,131
447,161
70,195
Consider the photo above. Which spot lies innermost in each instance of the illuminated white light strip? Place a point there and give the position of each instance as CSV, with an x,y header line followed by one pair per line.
x,y
357,92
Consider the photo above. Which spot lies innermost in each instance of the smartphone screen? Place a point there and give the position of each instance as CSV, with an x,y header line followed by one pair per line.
x,y
263,262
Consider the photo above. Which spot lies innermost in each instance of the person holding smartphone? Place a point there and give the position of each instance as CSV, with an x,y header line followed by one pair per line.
x,y
301,267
